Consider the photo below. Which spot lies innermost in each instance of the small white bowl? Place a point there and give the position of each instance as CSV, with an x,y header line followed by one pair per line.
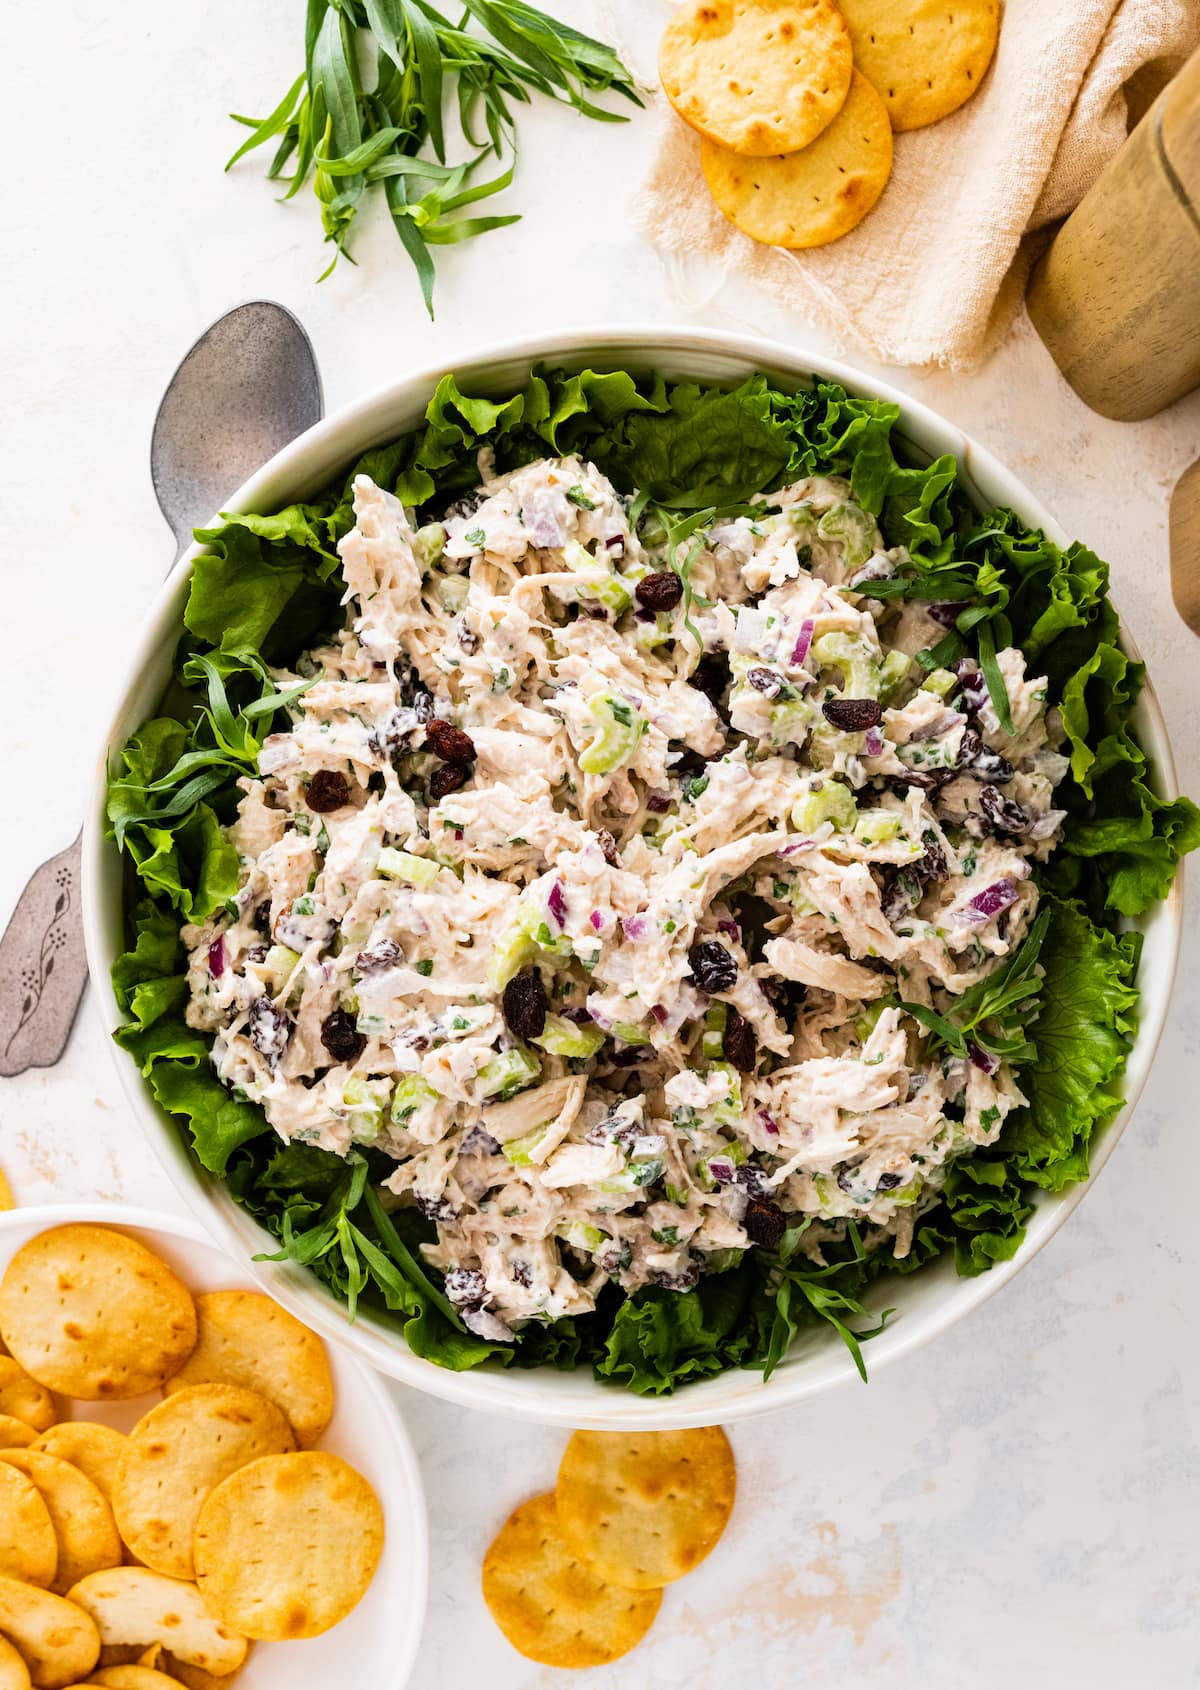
x,y
379,1638
926,1302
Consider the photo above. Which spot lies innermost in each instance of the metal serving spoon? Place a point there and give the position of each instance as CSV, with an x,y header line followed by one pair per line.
x,y
248,386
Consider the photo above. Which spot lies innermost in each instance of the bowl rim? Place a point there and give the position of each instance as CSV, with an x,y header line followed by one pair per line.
x,y
522,1394
120,1215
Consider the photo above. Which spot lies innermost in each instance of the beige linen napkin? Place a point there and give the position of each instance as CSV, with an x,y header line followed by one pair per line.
x,y
936,273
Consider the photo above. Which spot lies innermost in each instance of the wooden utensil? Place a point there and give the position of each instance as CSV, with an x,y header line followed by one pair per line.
x,y
1185,546
1117,296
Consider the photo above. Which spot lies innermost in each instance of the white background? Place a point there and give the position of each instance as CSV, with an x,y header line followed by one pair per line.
x,y
1017,1504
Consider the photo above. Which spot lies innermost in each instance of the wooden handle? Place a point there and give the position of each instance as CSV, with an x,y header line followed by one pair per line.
x,y
1117,296
1185,546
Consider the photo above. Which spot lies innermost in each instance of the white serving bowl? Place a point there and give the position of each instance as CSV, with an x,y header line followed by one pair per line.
x,y
381,1635
927,1302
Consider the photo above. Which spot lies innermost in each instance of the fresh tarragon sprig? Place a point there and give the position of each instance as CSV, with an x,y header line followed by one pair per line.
x,y
351,131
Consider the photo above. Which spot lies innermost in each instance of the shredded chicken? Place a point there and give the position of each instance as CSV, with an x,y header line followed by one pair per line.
x,y
604,938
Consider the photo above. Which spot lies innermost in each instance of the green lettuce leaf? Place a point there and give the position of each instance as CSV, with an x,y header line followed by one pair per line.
x,y
1083,1035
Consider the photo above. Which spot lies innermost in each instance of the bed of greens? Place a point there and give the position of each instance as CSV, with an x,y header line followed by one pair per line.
x,y
1060,1012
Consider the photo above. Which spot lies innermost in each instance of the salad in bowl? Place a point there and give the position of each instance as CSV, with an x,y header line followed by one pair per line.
x,y
633,867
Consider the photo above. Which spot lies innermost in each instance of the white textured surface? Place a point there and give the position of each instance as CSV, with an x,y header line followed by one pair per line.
x,y
1018,1504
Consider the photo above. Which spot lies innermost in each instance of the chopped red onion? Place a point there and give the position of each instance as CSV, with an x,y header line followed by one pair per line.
x,y
873,744
983,1059
597,920
556,903
768,1122
216,957
660,1013
803,640
721,1169
995,898
730,927
634,927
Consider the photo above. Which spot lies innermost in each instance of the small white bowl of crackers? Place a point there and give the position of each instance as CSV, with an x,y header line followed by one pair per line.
x,y
193,1492
575,1577
796,101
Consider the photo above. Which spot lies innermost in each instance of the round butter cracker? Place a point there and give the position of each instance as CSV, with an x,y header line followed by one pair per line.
x,y
550,1604
644,1508
926,57
757,76
809,198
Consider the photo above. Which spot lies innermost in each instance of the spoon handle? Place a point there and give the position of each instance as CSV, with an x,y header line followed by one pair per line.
x,y
43,968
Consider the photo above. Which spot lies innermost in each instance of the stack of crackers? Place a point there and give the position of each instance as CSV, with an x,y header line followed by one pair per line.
x,y
151,1560
796,100
575,1577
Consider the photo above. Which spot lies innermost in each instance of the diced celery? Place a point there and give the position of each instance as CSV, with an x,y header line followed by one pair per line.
x,y
720,1261
791,722
453,591
833,803
864,1024
941,682
826,1190
581,1236
631,1032
634,1177
508,1073
402,865
413,1094
907,1195
569,1038
858,663
712,1040
619,727
519,1150
728,1111
279,964
526,934
428,545
893,673
656,632
676,1195
854,527
599,581
877,827
367,1100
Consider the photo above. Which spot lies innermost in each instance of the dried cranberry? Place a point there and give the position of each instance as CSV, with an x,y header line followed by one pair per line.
x,y
449,743
525,1005
947,612
658,803
341,1037
739,1044
765,681
980,761
386,954
659,592
714,969
687,1280
465,1286
1004,815
270,1029
327,790
436,1208
853,715
765,1223
928,780
609,846
447,779
711,676
887,1182
522,1274
902,892
932,865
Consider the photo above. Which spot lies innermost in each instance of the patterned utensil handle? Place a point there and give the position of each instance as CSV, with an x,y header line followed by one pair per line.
x,y
43,968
